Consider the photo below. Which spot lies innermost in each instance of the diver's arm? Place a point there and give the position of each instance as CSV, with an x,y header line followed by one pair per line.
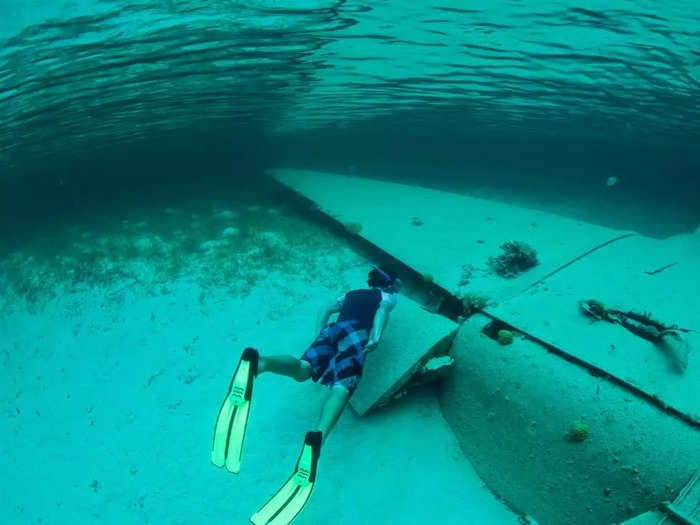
x,y
326,311
380,319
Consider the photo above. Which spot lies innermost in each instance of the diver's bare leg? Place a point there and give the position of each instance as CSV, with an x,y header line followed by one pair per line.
x,y
332,408
285,365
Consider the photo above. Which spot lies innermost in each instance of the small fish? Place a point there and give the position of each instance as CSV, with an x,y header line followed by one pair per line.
x,y
611,181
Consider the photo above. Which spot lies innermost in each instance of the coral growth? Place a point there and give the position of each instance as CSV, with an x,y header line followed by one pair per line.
x,y
505,337
517,257
467,271
597,308
578,431
472,303
353,227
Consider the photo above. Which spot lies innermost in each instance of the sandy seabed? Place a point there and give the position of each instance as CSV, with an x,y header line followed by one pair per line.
x,y
117,345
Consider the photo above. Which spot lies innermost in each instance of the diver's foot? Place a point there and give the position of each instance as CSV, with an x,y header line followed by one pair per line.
x,y
253,357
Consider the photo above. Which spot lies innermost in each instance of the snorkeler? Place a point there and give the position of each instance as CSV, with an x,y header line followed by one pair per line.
x,y
336,358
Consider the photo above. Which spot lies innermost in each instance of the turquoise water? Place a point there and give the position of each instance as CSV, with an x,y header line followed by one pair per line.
x,y
123,70
140,240
567,96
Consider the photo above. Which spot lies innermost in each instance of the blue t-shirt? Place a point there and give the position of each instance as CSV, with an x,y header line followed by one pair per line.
x,y
361,305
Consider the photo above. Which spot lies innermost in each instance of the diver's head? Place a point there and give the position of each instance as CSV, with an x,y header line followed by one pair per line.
x,y
384,278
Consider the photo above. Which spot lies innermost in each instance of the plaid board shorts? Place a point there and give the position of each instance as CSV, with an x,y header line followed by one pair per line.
x,y
336,356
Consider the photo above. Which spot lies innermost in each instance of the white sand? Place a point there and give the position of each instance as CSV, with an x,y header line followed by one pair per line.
x,y
112,392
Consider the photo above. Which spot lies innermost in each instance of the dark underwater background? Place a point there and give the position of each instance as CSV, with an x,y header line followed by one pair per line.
x,y
106,103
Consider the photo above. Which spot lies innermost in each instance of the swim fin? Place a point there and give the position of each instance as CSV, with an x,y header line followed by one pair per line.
x,y
232,420
289,501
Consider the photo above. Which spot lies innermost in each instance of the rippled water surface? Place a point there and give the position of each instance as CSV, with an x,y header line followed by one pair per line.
x,y
80,74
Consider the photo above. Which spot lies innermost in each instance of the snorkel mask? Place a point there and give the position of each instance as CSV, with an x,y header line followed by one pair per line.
x,y
393,285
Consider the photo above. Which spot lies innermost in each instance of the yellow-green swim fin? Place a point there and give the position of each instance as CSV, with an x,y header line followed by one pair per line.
x,y
231,423
289,501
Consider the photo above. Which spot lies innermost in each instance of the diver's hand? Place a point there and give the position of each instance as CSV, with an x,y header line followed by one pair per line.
x,y
371,345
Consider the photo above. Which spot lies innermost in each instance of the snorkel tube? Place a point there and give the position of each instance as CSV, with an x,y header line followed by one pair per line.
x,y
392,284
